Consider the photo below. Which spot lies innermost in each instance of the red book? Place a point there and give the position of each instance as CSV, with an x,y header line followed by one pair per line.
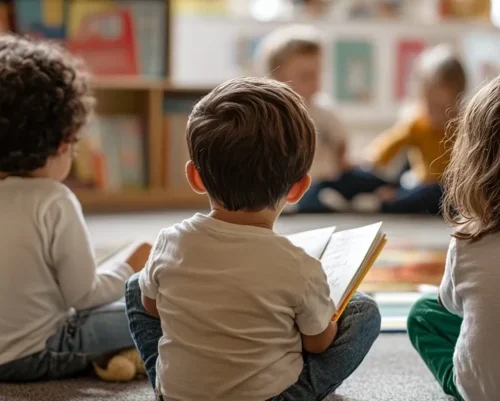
x,y
106,41
408,52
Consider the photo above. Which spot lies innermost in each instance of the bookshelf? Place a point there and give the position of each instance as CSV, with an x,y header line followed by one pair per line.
x,y
143,96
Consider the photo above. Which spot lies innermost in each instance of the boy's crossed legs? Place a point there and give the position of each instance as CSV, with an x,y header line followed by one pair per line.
x,y
359,326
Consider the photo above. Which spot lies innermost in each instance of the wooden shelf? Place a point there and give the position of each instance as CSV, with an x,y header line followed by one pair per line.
x,y
128,83
135,200
190,90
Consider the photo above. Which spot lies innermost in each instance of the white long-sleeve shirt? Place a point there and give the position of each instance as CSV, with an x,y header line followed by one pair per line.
x,y
47,265
471,289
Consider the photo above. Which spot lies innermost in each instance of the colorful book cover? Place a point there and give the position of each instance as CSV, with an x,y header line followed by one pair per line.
x,y
106,41
80,10
151,35
354,71
41,18
408,51
176,117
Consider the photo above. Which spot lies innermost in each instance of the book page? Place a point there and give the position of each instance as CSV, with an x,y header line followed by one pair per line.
x,y
314,242
343,257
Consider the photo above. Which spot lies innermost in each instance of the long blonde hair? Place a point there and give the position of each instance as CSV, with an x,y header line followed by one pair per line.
x,y
472,179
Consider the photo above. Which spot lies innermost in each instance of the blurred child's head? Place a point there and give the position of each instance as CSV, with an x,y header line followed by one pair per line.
x,y
293,54
45,100
472,179
251,143
442,84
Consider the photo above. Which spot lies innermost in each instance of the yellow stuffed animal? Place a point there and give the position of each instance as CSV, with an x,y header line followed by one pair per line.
x,y
122,367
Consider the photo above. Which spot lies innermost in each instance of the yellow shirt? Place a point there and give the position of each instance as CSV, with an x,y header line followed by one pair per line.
x,y
425,145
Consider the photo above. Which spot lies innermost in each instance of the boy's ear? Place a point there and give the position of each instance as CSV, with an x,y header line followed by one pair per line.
x,y
194,178
63,148
299,189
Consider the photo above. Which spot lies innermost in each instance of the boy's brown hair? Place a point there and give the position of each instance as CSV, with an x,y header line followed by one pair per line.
x,y
283,43
472,185
440,65
251,140
45,99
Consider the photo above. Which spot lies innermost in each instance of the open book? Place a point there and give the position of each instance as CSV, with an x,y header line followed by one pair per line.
x,y
346,257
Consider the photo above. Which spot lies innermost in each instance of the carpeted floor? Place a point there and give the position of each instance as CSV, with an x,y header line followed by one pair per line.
x,y
391,372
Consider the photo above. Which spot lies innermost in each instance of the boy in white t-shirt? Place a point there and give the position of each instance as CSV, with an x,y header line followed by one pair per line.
x,y
294,54
226,309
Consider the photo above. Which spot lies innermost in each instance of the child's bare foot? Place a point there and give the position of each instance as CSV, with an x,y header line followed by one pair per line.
x,y
139,257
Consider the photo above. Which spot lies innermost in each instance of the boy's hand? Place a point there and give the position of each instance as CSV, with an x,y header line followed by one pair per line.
x,y
139,257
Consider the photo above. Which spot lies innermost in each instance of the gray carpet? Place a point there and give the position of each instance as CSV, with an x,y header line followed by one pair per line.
x,y
392,371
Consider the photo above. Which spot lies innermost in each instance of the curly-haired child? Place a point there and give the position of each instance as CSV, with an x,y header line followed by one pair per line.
x,y
58,312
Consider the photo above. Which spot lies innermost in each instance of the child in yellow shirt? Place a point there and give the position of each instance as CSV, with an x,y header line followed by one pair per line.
x,y
442,83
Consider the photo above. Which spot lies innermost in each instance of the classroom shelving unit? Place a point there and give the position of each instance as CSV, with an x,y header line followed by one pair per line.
x,y
145,97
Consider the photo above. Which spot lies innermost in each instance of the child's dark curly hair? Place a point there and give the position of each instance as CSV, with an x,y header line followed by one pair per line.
x,y
45,99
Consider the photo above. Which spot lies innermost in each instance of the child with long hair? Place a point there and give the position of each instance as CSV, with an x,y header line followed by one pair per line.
x,y
456,333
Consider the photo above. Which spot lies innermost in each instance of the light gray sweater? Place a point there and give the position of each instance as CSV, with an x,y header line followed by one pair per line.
x,y
47,265
471,289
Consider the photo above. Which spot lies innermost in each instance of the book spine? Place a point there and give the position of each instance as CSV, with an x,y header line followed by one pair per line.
x,y
131,152
177,114
150,34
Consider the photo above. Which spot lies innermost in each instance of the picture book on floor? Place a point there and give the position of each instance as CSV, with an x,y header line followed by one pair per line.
x,y
346,256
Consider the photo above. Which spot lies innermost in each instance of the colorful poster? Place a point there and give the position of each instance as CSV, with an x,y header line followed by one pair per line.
x,y
354,71
408,51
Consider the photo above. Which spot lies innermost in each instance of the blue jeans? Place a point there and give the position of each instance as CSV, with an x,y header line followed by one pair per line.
x,y
85,337
359,326
423,199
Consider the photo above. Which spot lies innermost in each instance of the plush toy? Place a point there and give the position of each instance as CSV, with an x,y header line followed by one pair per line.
x,y
122,367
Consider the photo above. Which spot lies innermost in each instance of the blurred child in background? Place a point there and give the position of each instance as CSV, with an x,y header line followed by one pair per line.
x,y
442,82
293,54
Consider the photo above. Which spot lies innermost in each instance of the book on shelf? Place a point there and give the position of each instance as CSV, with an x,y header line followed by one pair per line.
x,y
346,257
114,37
111,156
104,39
176,114
41,18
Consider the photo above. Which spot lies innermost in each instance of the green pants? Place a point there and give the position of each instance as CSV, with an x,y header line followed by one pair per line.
x,y
434,332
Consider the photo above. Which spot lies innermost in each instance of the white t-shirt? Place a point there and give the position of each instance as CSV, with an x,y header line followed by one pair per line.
x,y
331,133
232,300
46,265
471,289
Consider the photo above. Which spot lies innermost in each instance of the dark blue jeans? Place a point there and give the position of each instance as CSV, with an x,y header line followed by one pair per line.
x,y
359,326
85,337
423,199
